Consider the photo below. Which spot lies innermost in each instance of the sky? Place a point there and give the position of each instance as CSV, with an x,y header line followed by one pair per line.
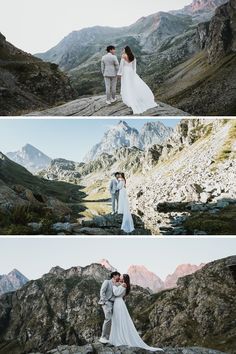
x,y
37,25
36,256
66,138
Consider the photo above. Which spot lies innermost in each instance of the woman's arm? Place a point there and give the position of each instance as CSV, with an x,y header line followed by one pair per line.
x,y
118,290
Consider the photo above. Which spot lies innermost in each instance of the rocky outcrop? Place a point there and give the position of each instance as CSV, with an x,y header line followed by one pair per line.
x,y
96,106
109,225
222,32
100,349
28,83
198,309
203,84
12,281
31,158
199,313
193,175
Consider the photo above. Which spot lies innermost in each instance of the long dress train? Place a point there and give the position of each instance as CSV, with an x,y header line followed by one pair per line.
x,y
123,208
135,92
123,331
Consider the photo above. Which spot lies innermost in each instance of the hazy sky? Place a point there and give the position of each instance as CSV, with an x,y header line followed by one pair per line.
x,y
34,257
68,138
37,25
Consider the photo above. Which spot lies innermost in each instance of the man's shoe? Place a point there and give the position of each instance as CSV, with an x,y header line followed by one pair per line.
x,y
113,100
103,340
108,102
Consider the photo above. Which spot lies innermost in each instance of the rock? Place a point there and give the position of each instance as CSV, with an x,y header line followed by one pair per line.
x,y
35,226
59,226
28,83
222,204
205,197
222,32
99,349
96,106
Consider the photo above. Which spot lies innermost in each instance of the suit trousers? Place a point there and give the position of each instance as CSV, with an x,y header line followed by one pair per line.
x,y
110,83
106,328
114,200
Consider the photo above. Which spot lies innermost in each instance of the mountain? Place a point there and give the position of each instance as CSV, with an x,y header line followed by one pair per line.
x,y
182,270
31,158
210,70
203,5
12,281
28,201
105,263
116,136
140,275
28,83
188,188
122,135
66,300
173,56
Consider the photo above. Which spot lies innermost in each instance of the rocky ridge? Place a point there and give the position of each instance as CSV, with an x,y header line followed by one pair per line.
x,y
67,303
12,281
28,83
122,135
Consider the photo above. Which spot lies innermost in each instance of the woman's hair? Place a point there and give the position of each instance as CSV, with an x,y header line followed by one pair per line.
x,y
127,282
129,53
123,176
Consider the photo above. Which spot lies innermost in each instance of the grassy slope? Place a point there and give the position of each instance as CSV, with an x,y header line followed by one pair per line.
x,y
200,88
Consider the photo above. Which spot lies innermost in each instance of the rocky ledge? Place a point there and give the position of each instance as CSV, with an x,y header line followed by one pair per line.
x,y
101,225
96,106
100,349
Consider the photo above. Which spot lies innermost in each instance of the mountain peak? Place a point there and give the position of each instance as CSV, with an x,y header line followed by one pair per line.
x,y
123,135
106,264
30,157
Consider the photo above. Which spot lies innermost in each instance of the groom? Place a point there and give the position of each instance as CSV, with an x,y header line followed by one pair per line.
x,y
114,193
110,67
107,300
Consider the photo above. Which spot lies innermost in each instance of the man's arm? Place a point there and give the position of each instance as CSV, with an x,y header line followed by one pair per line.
x,y
103,291
116,63
110,186
102,66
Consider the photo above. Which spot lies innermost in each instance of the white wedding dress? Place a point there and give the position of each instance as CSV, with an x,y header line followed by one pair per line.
x,y
135,92
123,208
123,331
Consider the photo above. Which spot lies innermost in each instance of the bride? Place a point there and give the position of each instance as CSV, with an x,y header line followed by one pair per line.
x,y
134,92
123,331
123,205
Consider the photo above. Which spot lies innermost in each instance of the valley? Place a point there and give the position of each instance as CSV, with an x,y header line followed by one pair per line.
x,y
180,182
187,57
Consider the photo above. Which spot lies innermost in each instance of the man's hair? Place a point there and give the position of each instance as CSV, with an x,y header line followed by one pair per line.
x,y
114,274
110,47
117,173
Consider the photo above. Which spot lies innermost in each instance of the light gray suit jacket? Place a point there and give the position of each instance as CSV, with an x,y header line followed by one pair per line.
x,y
106,292
113,186
109,65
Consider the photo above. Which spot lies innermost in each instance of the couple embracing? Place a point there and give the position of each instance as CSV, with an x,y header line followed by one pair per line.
x,y
120,201
118,328
135,92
